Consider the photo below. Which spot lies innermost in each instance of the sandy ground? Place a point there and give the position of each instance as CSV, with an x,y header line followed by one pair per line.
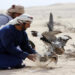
x,y
64,20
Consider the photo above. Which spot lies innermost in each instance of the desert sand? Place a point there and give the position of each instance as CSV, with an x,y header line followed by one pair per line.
x,y
64,20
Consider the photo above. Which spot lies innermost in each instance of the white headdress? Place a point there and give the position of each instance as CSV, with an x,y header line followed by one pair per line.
x,y
23,18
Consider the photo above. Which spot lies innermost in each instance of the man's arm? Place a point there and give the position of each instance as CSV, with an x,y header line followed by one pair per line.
x,y
25,45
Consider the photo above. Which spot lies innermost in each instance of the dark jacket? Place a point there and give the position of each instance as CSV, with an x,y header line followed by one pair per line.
x,y
10,38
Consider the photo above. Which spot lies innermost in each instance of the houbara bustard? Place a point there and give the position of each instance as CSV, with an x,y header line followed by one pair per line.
x,y
55,45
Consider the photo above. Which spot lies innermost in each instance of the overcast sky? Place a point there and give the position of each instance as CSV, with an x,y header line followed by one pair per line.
x,y
5,4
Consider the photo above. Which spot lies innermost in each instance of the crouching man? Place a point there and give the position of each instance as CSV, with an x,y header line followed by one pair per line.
x,y
12,36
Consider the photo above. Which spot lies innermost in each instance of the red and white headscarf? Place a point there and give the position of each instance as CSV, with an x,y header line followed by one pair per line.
x,y
23,18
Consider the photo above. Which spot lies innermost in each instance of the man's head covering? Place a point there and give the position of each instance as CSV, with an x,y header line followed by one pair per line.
x,y
21,19
16,9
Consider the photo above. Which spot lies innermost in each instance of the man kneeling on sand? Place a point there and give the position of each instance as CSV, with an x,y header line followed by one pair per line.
x,y
12,36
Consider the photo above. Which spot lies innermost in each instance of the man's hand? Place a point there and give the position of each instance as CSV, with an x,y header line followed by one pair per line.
x,y
32,57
